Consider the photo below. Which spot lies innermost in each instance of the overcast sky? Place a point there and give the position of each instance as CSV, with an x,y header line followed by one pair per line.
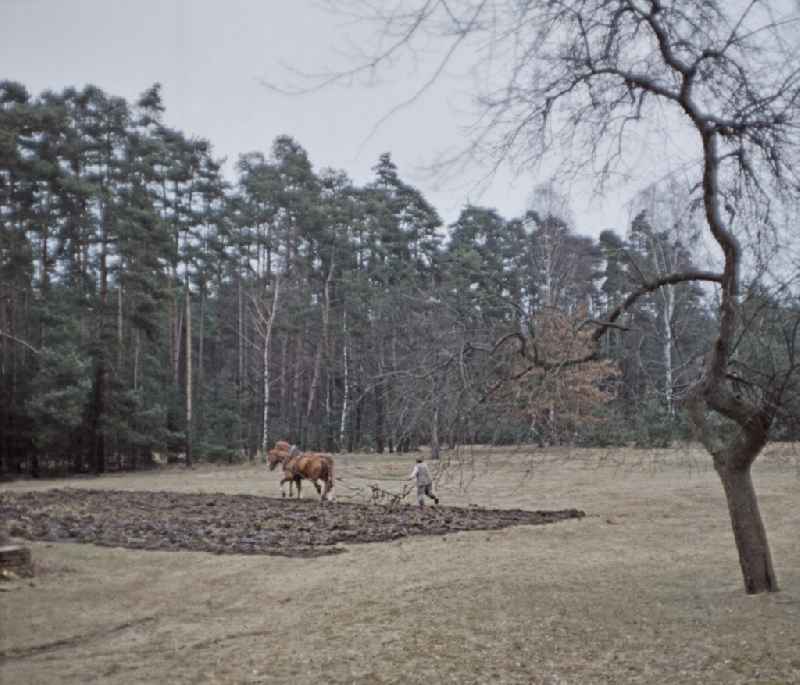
x,y
212,57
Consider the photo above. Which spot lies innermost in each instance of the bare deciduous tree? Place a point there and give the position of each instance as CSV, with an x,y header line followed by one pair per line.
x,y
575,78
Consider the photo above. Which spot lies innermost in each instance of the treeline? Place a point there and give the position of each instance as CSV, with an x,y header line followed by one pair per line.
x,y
149,305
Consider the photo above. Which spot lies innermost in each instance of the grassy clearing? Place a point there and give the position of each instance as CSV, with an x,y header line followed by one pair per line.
x,y
645,589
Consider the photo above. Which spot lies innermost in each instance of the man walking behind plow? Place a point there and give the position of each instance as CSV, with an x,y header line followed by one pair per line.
x,y
424,482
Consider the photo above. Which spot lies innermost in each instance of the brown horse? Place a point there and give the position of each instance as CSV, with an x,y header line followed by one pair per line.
x,y
285,454
313,466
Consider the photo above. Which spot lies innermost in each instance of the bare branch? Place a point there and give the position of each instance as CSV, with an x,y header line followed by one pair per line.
x,y
19,341
648,287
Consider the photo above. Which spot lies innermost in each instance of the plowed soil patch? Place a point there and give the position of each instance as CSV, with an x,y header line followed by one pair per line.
x,y
237,524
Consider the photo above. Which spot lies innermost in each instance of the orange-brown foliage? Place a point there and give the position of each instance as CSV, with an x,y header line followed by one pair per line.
x,y
564,397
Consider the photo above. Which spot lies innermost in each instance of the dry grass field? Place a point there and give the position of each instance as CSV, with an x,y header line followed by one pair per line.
x,y
644,589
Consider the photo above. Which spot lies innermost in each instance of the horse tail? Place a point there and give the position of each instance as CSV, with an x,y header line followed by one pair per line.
x,y
330,477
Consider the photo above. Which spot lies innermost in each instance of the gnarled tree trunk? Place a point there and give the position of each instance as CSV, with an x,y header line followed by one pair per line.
x,y
734,451
748,530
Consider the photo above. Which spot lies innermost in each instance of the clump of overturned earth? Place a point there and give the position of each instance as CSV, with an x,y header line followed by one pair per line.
x,y
237,524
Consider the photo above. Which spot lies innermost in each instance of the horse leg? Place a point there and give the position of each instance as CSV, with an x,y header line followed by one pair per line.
x,y
328,482
289,480
297,482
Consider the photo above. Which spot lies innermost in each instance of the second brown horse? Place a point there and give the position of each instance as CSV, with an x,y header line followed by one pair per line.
x,y
297,465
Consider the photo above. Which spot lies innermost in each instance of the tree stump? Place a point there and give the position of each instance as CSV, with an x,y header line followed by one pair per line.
x,y
15,560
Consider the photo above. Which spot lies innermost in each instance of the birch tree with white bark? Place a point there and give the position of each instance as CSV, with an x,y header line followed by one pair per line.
x,y
266,313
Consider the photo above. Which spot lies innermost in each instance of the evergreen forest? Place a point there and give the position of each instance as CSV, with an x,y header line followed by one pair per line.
x,y
154,305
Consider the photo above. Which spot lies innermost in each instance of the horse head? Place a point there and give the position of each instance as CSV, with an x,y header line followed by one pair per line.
x,y
275,457
281,453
